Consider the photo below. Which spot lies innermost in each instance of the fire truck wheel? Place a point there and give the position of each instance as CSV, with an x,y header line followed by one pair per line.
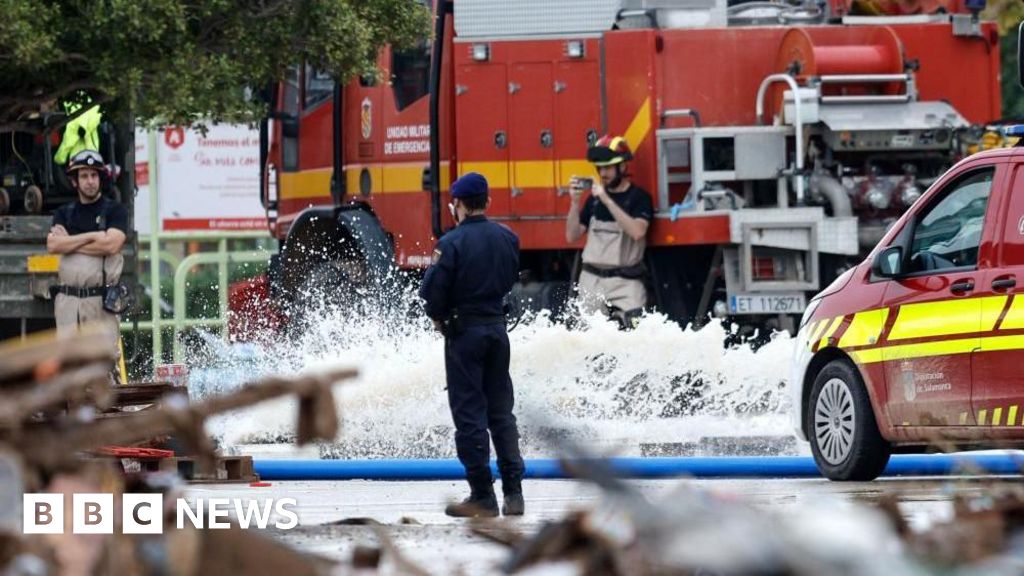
x,y
841,426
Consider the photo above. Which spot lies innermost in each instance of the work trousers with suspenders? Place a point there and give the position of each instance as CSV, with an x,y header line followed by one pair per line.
x,y
612,275
79,300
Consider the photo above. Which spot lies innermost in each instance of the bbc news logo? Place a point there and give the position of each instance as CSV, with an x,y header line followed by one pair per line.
x,y
144,513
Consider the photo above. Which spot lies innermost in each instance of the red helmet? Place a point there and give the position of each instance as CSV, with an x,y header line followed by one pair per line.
x,y
609,150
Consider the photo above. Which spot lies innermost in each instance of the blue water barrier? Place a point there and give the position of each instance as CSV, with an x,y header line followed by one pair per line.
x,y
697,467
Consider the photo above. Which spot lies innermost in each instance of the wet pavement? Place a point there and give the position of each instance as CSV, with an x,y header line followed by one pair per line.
x,y
413,517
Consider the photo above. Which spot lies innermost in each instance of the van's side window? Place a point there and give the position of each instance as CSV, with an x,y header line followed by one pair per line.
x,y
948,233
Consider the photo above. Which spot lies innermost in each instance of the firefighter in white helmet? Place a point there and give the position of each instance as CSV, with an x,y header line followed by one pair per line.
x,y
615,218
89,234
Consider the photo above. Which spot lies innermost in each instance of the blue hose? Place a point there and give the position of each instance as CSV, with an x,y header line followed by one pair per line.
x,y
696,467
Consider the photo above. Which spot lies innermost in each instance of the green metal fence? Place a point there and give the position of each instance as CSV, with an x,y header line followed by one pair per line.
x,y
156,243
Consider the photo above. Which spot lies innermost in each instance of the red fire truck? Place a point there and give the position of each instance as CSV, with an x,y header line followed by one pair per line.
x,y
779,141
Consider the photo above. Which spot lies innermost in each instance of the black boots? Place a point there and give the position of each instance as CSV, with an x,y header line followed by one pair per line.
x,y
513,490
481,503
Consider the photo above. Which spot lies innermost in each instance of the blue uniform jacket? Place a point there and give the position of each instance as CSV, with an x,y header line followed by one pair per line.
x,y
474,267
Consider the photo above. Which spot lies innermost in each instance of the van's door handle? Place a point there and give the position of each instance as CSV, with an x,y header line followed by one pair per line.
x,y
962,287
1004,283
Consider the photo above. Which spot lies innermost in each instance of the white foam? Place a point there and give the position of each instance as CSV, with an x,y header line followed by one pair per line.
x,y
597,384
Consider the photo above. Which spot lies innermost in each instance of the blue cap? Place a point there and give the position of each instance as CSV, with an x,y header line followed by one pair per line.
x,y
470,184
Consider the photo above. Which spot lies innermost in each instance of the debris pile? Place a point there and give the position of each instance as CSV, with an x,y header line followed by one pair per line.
x,y
65,429
697,532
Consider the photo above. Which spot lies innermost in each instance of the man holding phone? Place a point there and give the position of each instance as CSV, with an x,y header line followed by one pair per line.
x,y
615,218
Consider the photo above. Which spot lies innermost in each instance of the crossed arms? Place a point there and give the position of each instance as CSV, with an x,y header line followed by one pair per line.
x,y
106,243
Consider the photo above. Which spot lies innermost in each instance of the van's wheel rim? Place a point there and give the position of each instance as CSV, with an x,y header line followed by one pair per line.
x,y
834,423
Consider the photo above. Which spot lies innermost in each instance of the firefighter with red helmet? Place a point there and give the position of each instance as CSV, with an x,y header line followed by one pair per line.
x,y
89,234
615,218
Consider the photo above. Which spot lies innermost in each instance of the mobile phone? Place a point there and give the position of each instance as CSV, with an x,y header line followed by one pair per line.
x,y
585,183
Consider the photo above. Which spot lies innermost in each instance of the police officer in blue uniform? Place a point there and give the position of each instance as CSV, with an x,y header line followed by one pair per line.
x,y
473,268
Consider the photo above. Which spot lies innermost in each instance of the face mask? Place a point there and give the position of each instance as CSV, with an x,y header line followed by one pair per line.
x,y
455,213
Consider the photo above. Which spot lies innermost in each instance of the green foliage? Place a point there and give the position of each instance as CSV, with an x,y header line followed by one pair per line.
x,y
1008,14
178,60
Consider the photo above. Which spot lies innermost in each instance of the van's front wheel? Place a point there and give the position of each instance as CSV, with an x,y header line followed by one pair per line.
x,y
841,426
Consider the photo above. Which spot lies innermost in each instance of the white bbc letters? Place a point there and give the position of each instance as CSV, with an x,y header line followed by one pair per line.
x,y
92,514
43,513
142,514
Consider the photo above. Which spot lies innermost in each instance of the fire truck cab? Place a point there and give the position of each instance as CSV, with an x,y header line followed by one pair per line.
x,y
778,141
922,343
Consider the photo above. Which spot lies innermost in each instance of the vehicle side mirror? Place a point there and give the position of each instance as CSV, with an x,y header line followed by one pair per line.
x,y
888,263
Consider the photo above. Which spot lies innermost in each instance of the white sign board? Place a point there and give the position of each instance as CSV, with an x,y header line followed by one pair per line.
x,y
206,182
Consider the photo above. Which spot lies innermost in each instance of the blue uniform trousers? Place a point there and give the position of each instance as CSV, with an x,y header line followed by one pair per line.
x,y
481,399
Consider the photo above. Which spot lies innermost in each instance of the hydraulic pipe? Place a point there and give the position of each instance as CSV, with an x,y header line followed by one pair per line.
x,y
834,192
799,125
694,467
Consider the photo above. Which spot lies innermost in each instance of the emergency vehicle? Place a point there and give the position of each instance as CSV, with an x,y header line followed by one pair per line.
x,y
778,140
922,343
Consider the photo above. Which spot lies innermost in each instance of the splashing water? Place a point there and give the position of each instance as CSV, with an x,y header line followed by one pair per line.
x,y
616,392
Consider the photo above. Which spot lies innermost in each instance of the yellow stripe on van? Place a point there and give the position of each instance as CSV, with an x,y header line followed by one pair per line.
x,y
991,308
865,328
940,348
981,417
999,343
819,329
941,318
869,356
997,416
830,331
1014,319
963,418
1011,418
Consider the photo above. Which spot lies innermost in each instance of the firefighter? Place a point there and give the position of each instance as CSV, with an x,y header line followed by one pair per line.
x,y
473,268
88,234
615,219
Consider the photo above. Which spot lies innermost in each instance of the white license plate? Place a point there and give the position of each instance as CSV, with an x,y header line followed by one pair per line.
x,y
767,303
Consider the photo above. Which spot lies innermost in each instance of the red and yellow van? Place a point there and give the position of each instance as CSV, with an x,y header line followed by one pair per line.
x,y
922,344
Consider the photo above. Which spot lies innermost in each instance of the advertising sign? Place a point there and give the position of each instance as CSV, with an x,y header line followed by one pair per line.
x,y
206,182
